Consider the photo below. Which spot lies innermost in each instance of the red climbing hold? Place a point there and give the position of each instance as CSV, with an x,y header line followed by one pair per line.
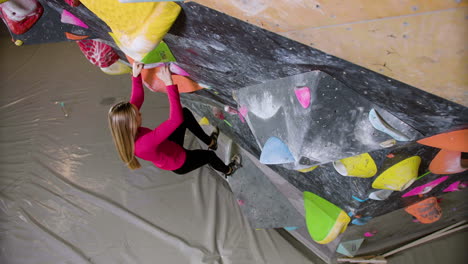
x,y
20,15
98,53
73,3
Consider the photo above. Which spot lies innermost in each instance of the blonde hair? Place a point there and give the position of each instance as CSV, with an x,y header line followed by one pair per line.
x,y
123,126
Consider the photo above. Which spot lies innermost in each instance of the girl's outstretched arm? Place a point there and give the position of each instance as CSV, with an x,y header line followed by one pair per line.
x,y
138,95
176,117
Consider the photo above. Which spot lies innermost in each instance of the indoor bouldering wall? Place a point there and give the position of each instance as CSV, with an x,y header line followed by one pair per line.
x,y
417,42
343,137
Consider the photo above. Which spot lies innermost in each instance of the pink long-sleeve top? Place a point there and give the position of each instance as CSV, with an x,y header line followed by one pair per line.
x,y
153,145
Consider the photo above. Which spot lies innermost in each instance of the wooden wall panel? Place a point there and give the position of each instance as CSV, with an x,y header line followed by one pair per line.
x,y
419,42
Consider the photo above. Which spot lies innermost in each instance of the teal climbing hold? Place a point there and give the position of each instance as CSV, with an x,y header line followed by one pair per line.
x,y
361,221
379,123
276,152
290,228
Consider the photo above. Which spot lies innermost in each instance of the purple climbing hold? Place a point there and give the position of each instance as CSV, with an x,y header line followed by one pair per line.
x,y
303,96
276,152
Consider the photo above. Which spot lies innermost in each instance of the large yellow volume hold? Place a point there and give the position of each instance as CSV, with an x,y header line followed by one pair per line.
x,y
399,176
136,27
362,166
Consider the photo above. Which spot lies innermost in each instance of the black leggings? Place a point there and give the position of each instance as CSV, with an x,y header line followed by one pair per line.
x,y
195,158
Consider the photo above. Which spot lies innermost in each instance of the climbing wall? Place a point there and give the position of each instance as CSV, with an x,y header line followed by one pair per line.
x,y
290,105
395,38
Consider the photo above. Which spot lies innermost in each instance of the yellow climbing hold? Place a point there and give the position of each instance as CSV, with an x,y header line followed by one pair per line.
x,y
137,27
117,68
18,42
362,166
308,169
204,121
399,176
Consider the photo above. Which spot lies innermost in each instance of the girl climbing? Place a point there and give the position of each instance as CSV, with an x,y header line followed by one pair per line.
x,y
164,145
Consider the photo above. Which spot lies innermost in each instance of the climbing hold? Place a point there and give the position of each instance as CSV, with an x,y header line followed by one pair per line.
x,y
455,187
69,18
242,113
361,220
426,211
379,123
362,166
325,221
240,202
358,199
73,3
455,141
399,176
230,110
137,28
20,15
370,234
390,156
290,228
161,53
276,152
423,189
227,122
176,69
388,143
446,162
98,53
19,42
303,96
350,248
117,68
452,187
204,121
72,36
149,75
308,169
243,110
380,195
218,113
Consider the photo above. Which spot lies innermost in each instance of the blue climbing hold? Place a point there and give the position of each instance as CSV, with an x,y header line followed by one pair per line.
x,y
276,152
361,221
291,228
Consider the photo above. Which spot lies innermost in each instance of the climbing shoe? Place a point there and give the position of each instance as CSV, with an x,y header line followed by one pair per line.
x,y
214,139
236,163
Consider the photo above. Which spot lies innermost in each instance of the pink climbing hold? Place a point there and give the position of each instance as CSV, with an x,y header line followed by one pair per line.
x,y
455,186
370,234
240,202
423,189
218,113
98,53
73,3
176,69
303,96
69,18
243,111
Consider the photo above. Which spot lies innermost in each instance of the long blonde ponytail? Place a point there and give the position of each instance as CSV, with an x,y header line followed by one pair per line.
x,y
123,126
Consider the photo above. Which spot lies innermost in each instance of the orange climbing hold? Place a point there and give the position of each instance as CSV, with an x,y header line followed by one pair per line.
x,y
427,211
455,141
72,36
446,162
185,84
